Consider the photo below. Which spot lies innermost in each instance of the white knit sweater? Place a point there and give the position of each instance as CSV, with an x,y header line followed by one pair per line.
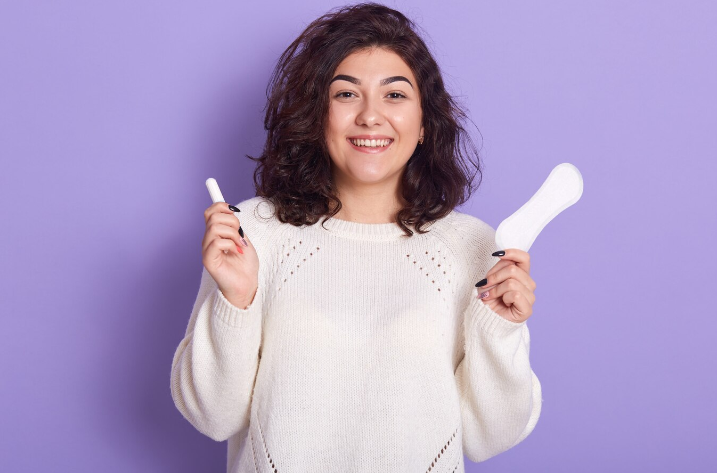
x,y
363,351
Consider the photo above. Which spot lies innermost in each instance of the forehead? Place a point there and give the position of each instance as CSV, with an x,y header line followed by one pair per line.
x,y
374,64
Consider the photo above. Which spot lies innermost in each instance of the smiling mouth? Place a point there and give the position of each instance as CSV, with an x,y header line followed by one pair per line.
x,y
371,144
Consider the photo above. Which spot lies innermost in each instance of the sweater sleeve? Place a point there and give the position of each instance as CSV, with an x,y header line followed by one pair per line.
x,y
215,365
500,395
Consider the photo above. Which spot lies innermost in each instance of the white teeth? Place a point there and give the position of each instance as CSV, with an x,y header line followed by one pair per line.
x,y
371,143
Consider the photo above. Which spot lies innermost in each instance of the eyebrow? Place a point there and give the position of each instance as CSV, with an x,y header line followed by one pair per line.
x,y
386,81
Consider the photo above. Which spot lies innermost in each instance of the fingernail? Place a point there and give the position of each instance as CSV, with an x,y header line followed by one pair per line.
x,y
484,295
241,234
240,250
482,282
499,253
233,209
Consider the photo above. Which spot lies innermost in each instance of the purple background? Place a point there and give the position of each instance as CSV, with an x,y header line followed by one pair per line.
x,y
112,115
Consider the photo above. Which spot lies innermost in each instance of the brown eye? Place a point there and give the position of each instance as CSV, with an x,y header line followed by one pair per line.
x,y
396,95
344,95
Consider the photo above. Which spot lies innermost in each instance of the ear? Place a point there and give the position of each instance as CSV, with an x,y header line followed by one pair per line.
x,y
422,132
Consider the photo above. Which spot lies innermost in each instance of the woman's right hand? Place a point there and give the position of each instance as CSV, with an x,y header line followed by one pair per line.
x,y
236,272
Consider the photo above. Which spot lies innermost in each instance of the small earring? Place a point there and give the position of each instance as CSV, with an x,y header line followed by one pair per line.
x,y
420,140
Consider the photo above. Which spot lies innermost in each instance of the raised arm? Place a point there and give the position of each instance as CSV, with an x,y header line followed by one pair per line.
x,y
500,396
499,393
215,365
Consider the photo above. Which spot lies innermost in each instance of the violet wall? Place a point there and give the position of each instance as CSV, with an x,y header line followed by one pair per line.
x,y
112,115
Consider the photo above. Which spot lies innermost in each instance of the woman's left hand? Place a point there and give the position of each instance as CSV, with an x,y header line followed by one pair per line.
x,y
510,290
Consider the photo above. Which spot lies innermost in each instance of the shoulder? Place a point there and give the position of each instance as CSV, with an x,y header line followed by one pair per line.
x,y
257,217
465,230
258,209
470,239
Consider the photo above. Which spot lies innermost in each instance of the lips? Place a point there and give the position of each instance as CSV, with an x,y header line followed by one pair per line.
x,y
370,143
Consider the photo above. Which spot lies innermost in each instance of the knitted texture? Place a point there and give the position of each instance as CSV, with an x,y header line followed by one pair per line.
x,y
363,351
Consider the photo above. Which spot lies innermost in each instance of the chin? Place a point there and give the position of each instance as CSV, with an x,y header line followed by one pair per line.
x,y
369,173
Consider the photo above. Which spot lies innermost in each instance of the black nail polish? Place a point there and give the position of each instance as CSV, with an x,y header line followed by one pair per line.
x,y
499,253
233,209
482,283
241,232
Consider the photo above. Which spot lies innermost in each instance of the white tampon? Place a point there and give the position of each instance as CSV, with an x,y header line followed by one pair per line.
x,y
214,191
561,189
217,196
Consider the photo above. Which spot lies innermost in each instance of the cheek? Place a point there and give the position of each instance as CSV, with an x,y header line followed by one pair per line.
x,y
408,120
406,124
336,124
329,136
330,120
416,118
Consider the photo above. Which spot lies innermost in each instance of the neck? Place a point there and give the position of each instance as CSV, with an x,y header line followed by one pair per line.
x,y
369,205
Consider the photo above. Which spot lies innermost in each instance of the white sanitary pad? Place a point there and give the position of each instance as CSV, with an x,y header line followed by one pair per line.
x,y
561,189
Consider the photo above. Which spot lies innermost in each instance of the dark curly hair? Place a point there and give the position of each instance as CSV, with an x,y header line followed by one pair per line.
x,y
294,170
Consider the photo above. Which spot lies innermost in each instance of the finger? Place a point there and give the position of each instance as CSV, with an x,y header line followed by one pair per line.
x,y
498,266
520,307
229,219
248,241
510,285
519,257
222,232
490,279
505,272
217,207
224,219
219,246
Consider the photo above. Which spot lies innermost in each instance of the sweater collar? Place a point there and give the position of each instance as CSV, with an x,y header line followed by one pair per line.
x,y
363,231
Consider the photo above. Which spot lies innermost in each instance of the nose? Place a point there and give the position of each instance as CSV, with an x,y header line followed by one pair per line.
x,y
370,113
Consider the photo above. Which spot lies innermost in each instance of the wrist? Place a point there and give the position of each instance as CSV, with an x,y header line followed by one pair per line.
x,y
240,301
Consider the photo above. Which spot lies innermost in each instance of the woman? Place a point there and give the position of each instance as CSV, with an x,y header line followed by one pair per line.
x,y
347,334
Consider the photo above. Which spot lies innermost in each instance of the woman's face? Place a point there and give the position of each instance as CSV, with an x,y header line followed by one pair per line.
x,y
373,96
